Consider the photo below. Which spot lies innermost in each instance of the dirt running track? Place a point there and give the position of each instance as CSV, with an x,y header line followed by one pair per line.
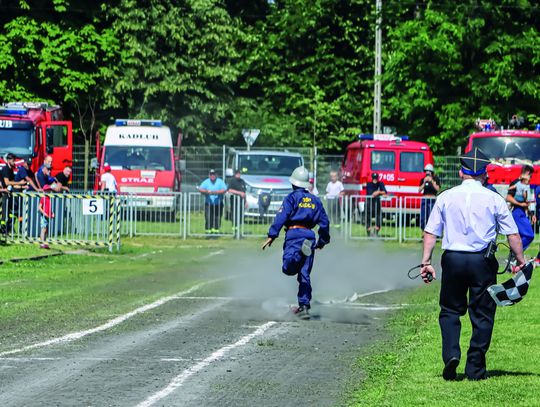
x,y
228,343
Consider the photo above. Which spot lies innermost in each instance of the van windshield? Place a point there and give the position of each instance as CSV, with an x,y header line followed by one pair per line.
x,y
279,165
138,158
16,141
501,148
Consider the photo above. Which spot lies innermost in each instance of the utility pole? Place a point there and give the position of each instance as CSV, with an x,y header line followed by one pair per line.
x,y
378,70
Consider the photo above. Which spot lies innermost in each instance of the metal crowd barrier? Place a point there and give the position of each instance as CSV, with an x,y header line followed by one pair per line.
x,y
76,219
100,220
372,218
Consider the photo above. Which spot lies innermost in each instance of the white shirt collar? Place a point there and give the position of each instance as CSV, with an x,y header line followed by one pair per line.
x,y
471,181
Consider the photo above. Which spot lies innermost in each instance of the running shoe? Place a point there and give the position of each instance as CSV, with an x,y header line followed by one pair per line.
x,y
301,311
306,248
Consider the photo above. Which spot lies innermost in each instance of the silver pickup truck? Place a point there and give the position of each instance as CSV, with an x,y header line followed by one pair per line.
x,y
266,174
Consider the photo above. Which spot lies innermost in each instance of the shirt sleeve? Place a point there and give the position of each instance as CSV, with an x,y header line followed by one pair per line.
x,y
505,221
204,184
382,187
328,188
341,188
435,221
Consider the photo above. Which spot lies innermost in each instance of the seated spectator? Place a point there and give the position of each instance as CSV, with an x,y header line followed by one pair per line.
x,y
63,178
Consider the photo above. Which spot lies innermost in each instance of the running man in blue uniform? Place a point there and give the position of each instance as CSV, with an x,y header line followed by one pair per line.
x,y
300,212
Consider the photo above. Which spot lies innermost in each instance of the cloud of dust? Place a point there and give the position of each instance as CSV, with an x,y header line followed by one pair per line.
x,y
340,270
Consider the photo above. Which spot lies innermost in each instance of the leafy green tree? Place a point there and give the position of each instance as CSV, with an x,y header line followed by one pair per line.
x,y
178,62
312,62
449,63
53,52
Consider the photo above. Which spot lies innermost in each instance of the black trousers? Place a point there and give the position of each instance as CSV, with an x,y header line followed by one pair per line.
x,y
212,216
373,210
237,209
467,273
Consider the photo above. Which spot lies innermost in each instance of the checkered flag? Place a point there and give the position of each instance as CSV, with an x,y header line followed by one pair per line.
x,y
512,291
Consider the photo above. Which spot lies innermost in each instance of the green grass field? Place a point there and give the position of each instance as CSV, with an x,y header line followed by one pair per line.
x,y
406,369
60,294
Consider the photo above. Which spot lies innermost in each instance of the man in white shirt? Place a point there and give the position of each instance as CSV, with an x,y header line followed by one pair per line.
x,y
468,217
108,182
334,192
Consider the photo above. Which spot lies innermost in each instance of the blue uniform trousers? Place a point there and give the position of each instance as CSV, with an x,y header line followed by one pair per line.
x,y
296,263
524,226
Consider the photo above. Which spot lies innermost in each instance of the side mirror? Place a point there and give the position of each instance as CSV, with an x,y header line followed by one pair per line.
x,y
229,172
94,163
180,165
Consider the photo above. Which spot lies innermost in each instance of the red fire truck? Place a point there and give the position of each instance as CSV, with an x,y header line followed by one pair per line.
x,y
399,162
141,156
509,150
35,130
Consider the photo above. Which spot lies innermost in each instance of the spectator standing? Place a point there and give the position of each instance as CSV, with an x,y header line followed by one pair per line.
x,y
522,188
213,188
313,188
43,176
519,209
334,192
429,187
108,181
63,178
9,204
374,190
45,209
237,188
24,173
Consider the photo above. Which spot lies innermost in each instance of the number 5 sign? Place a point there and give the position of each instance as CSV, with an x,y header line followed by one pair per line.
x,y
92,206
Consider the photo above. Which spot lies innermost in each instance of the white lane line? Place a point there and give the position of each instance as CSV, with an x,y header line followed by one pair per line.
x,y
211,255
109,324
179,380
179,359
372,293
29,359
211,298
11,282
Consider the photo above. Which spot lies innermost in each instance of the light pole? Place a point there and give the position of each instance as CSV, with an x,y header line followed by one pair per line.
x,y
378,70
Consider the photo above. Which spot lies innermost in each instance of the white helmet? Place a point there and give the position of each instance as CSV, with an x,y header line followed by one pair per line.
x,y
429,167
300,178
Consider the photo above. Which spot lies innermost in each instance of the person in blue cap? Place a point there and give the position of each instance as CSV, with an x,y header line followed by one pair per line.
x,y
468,217
299,213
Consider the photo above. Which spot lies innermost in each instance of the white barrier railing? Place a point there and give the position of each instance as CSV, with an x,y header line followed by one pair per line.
x,y
193,215
61,219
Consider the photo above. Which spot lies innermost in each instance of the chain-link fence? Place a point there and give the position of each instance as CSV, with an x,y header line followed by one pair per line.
x,y
200,159
447,169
